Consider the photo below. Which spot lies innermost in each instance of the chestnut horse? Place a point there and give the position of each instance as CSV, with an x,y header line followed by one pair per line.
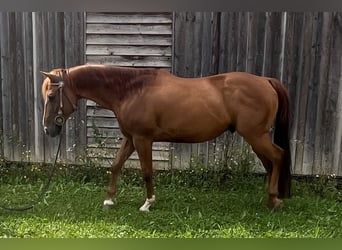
x,y
153,105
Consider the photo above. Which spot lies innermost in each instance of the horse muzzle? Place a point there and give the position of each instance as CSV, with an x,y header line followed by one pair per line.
x,y
53,130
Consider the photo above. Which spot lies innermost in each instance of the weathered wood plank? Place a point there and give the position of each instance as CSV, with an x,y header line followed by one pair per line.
x,y
242,44
252,23
102,122
99,112
74,35
28,82
332,122
131,61
128,18
129,39
1,95
325,42
303,88
272,44
108,50
312,94
129,29
6,85
337,154
229,41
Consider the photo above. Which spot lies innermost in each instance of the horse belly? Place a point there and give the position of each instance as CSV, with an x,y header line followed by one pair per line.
x,y
193,126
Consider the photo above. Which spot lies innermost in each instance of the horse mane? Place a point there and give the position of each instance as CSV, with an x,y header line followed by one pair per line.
x,y
125,81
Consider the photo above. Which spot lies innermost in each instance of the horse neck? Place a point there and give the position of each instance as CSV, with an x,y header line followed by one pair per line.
x,y
104,85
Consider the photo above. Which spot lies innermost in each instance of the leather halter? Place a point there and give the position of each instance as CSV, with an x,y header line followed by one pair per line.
x,y
59,118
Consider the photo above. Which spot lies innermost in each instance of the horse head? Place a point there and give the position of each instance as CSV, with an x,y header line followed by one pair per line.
x,y
59,100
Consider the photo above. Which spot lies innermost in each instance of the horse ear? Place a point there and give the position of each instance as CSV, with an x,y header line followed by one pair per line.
x,y
52,77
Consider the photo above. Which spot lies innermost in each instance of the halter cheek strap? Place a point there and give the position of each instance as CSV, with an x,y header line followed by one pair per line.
x,y
59,119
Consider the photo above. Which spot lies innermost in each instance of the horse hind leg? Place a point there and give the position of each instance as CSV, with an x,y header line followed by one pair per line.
x,y
271,155
268,167
124,152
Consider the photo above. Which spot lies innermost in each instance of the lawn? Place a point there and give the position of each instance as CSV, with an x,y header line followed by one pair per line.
x,y
190,204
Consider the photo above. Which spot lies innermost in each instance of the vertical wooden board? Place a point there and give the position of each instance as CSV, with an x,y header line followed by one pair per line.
x,y
293,46
272,48
3,35
303,88
20,96
38,57
6,86
197,44
290,55
325,43
178,50
331,106
310,129
14,87
29,85
260,40
252,31
186,155
74,51
255,42
337,147
233,41
215,22
190,18
242,42
203,58
1,104
42,63
337,154
276,25
223,33
48,63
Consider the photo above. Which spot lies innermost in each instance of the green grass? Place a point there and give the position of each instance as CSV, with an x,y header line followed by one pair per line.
x,y
190,204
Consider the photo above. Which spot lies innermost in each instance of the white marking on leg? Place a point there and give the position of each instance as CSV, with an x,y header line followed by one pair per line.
x,y
108,202
147,204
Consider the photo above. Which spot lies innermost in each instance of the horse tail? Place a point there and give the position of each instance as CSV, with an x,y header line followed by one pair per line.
x,y
282,137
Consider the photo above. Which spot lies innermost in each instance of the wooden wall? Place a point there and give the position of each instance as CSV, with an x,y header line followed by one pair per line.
x,y
125,39
31,42
303,50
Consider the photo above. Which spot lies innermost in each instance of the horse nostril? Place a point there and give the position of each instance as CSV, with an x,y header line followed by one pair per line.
x,y
46,131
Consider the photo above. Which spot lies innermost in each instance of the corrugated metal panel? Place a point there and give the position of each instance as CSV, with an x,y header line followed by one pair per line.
x,y
125,39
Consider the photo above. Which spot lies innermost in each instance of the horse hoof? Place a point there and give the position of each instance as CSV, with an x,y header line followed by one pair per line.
x,y
147,204
108,202
144,209
275,203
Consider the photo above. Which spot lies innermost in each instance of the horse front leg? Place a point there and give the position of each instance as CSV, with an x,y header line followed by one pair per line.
x,y
124,152
144,150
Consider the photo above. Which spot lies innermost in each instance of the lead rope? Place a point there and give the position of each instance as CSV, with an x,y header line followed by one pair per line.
x,y
45,187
